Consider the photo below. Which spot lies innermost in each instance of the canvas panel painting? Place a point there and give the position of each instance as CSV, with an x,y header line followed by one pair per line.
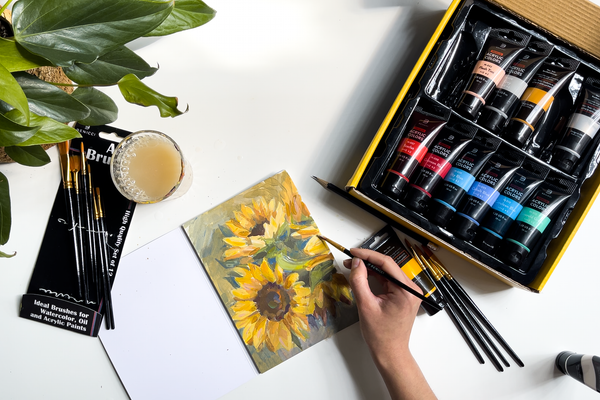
x,y
276,278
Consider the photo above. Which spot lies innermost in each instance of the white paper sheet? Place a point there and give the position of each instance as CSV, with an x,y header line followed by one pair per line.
x,y
173,337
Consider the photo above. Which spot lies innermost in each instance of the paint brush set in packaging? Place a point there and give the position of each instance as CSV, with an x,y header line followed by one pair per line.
x,y
490,149
78,259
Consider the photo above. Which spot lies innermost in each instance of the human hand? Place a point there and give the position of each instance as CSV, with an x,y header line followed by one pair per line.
x,y
386,319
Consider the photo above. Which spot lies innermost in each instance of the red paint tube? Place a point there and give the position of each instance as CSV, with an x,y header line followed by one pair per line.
x,y
501,48
436,164
421,131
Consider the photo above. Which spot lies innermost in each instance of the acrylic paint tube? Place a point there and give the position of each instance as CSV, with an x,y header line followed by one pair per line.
x,y
539,211
421,132
508,205
448,194
582,367
581,128
509,91
437,162
484,192
501,48
387,242
547,82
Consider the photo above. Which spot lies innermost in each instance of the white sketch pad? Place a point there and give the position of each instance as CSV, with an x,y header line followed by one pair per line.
x,y
173,337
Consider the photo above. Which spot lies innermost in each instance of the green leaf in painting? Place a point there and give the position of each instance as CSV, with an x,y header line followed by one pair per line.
x,y
32,156
5,219
320,272
103,109
50,131
16,58
110,68
289,264
47,100
12,133
187,14
134,91
65,31
12,93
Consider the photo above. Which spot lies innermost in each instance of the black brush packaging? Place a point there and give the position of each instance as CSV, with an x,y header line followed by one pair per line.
x,y
454,65
52,296
387,242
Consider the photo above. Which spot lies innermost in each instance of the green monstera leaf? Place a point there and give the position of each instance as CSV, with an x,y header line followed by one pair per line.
x,y
187,14
65,31
103,109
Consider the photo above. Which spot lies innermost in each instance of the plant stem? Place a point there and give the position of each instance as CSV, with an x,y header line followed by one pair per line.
x,y
4,6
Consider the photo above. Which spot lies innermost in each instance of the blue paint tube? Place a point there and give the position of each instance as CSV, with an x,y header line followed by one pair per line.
x,y
437,162
584,368
544,205
484,192
508,205
581,128
459,179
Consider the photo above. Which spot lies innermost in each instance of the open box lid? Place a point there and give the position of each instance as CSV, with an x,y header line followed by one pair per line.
x,y
575,21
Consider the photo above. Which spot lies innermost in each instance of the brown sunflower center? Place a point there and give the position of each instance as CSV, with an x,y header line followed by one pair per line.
x,y
258,230
273,301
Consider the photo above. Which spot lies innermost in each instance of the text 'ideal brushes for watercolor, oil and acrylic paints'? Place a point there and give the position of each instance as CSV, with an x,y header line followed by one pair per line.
x,y
85,219
382,273
465,311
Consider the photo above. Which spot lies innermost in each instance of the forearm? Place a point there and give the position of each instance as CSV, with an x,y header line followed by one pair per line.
x,y
402,376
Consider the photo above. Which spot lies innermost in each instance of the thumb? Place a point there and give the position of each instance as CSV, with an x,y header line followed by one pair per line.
x,y
359,283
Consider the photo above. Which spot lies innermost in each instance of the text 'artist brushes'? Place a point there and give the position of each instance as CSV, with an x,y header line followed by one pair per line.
x,y
471,304
372,211
382,273
486,344
450,310
69,192
104,260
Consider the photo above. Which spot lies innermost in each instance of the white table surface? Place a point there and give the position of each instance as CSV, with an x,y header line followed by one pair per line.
x,y
300,85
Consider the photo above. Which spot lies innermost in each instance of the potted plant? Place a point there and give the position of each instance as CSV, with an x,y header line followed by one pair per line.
x,y
86,39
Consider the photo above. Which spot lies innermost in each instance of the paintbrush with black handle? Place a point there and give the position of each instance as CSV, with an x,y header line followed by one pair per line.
x,y
101,234
71,211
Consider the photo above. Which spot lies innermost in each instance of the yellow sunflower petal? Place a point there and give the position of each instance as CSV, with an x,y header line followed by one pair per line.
x,y
236,229
289,281
248,212
273,335
243,294
315,246
318,260
267,272
278,274
243,322
285,337
260,333
248,333
235,241
244,305
257,274
303,233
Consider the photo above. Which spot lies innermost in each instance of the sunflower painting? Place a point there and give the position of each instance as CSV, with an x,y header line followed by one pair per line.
x,y
276,278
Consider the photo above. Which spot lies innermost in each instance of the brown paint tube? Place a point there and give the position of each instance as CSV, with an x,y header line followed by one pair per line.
x,y
500,50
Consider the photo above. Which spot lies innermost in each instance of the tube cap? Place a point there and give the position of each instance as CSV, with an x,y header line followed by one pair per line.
x,y
517,133
463,227
439,213
469,106
513,254
417,200
486,241
492,120
394,186
564,160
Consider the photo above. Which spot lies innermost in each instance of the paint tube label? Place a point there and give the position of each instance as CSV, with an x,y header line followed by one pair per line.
x,y
486,76
508,207
588,126
456,184
460,178
481,198
484,193
513,85
534,218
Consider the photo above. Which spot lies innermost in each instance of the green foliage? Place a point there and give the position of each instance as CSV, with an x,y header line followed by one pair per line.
x,y
88,40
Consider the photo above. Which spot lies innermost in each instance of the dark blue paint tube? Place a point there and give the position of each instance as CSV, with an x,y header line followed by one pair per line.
x,y
513,85
459,179
437,162
584,368
508,205
484,192
545,204
581,128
